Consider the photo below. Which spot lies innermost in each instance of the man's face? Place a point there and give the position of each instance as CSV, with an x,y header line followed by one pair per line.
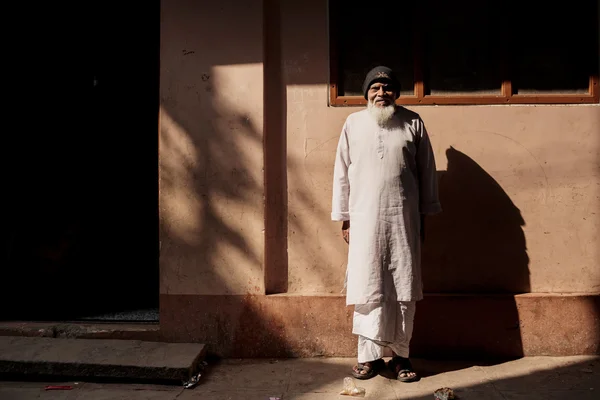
x,y
381,94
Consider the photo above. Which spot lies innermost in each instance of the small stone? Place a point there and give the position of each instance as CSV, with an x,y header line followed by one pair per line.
x,y
444,393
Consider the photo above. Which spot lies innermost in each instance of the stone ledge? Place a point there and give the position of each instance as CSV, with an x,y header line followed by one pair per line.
x,y
147,332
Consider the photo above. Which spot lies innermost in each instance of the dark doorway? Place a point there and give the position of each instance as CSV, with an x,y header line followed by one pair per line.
x,y
81,227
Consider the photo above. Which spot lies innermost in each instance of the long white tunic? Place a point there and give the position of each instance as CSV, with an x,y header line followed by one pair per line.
x,y
384,178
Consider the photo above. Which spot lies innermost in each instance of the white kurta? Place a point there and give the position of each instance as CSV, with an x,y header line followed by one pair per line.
x,y
384,178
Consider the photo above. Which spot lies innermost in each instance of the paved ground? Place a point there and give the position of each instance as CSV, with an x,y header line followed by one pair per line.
x,y
547,378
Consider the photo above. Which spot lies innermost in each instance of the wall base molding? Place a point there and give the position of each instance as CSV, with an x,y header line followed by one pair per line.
x,y
446,325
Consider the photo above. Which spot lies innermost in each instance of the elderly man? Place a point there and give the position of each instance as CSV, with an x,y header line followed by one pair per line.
x,y
384,184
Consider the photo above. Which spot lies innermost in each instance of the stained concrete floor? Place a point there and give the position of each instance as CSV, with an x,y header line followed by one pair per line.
x,y
535,378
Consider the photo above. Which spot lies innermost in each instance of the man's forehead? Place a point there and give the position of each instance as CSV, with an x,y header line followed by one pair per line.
x,y
378,84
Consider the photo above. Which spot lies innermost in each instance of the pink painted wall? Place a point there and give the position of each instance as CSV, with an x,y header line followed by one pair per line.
x,y
210,148
520,185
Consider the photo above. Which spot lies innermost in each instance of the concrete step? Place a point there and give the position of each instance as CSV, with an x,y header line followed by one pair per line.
x,y
31,357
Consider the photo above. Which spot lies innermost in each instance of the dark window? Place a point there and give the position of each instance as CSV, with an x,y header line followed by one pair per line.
x,y
468,52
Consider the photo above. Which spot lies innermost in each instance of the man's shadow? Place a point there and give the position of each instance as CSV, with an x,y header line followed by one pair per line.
x,y
476,246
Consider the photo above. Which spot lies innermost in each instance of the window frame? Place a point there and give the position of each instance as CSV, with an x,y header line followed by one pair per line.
x,y
419,97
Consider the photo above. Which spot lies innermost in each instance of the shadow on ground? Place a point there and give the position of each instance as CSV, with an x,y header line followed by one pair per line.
x,y
526,378
534,378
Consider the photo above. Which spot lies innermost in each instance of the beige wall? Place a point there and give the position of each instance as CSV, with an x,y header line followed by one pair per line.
x,y
523,216
211,158
520,185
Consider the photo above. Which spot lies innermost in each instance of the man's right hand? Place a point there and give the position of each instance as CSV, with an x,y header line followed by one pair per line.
x,y
346,231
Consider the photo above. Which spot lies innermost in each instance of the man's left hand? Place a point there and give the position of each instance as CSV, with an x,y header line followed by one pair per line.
x,y
346,231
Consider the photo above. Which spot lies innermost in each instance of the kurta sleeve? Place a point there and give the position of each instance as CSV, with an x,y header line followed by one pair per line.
x,y
428,184
341,184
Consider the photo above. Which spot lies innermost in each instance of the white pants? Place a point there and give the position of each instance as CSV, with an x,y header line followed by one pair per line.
x,y
379,325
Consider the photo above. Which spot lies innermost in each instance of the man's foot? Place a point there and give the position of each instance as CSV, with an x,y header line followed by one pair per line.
x,y
368,370
403,370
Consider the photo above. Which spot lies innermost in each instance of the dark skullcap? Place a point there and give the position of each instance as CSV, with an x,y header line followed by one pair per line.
x,y
381,74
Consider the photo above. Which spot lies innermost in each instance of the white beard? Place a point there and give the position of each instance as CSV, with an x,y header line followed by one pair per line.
x,y
382,115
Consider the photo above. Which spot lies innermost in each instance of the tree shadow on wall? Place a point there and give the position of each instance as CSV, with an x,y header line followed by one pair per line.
x,y
211,220
475,246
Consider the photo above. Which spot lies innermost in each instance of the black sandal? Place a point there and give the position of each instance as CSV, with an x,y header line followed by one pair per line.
x,y
405,369
370,370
